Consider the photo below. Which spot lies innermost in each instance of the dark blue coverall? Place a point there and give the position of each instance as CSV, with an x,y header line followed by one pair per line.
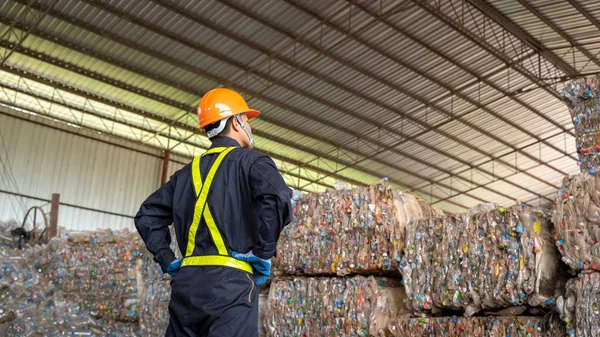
x,y
251,204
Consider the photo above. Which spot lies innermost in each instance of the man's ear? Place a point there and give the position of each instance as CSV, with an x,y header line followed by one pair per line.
x,y
234,124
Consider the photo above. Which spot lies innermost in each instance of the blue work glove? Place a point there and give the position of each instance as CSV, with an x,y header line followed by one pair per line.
x,y
260,266
174,267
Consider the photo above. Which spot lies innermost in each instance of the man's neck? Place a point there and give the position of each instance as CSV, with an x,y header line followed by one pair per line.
x,y
225,141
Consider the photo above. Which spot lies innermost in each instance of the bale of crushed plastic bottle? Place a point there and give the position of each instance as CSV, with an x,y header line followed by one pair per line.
x,y
490,259
530,326
580,307
348,231
33,304
326,306
154,299
582,99
23,290
576,218
97,270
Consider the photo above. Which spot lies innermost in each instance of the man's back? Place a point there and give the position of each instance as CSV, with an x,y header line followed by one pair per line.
x,y
248,203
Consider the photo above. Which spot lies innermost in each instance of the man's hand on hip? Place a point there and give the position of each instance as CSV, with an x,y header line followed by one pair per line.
x,y
261,266
173,267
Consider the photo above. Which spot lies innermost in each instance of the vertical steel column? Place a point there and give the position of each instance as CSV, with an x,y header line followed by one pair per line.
x,y
53,230
165,168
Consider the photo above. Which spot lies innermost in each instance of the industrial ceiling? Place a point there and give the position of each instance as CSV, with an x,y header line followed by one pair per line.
x,y
455,101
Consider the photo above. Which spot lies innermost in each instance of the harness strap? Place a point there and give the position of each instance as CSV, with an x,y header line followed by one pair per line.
x,y
216,260
202,211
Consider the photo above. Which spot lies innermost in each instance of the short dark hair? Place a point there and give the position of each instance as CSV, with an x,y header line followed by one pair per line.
x,y
215,125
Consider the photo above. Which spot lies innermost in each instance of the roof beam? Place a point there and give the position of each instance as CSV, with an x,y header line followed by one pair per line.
x,y
163,119
477,77
480,41
43,57
491,12
494,178
133,19
427,104
133,45
195,130
141,92
354,92
152,116
559,31
465,98
586,14
135,90
388,148
387,107
141,128
181,87
23,13
314,98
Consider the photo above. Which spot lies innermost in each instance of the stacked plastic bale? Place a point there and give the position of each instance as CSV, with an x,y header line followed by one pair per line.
x,y
349,231
23,290
582,99
491,258
577,222
332,306
352,235
577,213
31,304
98,271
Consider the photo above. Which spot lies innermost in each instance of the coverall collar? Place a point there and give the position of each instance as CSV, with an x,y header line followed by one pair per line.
x,y
224,142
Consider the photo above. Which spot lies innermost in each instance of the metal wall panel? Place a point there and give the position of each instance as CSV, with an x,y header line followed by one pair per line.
x,y
86,172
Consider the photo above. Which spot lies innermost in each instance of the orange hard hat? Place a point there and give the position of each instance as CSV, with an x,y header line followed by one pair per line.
x,y
221,103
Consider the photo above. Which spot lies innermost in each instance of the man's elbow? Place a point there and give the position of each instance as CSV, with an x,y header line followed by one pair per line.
x,y
137,219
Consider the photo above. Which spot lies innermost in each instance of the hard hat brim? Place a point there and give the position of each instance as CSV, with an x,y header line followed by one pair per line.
x,y
252,113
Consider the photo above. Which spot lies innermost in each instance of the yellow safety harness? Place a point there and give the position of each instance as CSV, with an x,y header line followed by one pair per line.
x,y
202,211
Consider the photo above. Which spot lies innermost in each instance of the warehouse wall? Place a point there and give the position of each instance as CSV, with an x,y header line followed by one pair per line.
x,y
87,169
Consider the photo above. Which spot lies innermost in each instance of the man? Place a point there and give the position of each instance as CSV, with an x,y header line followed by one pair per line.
x,y
229,200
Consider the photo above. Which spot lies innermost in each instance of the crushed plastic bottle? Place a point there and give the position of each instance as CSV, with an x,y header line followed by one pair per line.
x,y
580,307
343,232
473,261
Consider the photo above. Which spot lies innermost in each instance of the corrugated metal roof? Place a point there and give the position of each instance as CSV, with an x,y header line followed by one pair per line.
x,y
442,83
